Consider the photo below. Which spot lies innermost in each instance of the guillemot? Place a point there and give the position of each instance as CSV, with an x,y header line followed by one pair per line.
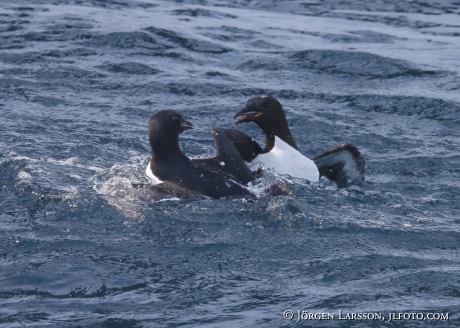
x,y
227,158
173,170
341,164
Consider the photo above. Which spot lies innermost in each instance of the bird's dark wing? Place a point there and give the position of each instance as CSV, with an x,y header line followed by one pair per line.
x,y
342,164
245,145
230,145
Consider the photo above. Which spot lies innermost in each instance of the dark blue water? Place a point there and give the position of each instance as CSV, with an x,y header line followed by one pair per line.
x,y
79,80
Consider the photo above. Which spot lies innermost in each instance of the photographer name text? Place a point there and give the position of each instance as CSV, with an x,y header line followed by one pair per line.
x,y
300,315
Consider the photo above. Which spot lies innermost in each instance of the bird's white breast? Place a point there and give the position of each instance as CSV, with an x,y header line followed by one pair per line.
x,y
284,159
152,176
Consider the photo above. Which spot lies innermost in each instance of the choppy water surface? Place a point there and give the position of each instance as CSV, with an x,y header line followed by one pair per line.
x,y
79,81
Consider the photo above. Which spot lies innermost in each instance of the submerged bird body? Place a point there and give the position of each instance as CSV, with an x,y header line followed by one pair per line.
x,y
341,164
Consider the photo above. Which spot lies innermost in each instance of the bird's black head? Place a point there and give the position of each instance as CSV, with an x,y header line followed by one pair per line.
x,y
164,129
268,114
262,110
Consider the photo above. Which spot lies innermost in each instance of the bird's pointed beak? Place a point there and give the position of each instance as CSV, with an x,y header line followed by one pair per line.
x,y
185,125
247,114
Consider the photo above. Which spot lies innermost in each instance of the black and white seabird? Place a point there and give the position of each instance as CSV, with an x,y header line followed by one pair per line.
x,y
176,173
227,159
341,164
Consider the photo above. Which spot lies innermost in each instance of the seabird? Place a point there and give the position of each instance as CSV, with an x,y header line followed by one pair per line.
x,y
216,177
341,164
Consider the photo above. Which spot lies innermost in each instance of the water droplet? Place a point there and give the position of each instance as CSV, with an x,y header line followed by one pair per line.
x,y
222,163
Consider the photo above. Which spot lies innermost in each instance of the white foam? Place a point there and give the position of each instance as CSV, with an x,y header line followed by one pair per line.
x,y
71,162
24,176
